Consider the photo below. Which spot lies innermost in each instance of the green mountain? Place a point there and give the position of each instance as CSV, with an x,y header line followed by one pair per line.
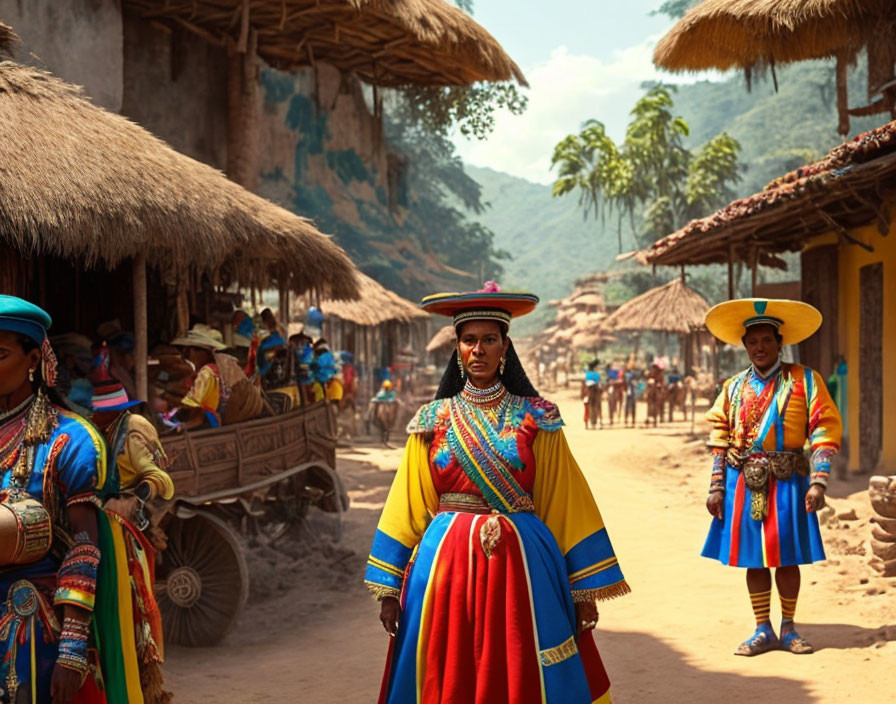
x,y
551,244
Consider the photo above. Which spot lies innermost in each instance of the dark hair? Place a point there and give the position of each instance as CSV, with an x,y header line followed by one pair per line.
x,y
774,330
514,377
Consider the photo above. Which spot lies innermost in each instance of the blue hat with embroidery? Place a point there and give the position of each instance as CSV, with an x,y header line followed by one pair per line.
x,y
22,317
794,320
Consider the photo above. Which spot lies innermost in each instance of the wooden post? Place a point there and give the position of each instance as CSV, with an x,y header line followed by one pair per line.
x,y
754,272
141,333
182,313
730,272
842,95
243,105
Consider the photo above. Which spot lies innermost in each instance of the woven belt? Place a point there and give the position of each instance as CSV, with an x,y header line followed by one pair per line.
x,y
758,467
463,503
472,503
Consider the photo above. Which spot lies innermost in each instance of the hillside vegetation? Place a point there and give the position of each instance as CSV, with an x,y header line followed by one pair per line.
x,y
551,244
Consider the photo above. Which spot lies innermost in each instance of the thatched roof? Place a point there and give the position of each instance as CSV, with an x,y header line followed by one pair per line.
x,y
674,307
375,305
384,42
848,188
82,183
443,339
727,34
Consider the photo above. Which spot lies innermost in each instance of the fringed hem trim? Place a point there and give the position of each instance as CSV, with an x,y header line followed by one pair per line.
x,y
381,592
602,593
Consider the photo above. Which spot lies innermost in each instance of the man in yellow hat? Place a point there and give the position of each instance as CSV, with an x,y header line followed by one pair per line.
x,y
765,490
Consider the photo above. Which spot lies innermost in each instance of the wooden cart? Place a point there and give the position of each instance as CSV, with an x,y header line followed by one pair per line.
x,y
256,478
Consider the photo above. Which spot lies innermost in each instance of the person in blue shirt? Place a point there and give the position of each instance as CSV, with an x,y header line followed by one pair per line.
x,y
326,381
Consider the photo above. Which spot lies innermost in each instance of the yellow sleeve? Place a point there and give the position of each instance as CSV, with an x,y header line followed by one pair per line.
x,y
564,502
412,500
147,458
825,423
719,434
204,388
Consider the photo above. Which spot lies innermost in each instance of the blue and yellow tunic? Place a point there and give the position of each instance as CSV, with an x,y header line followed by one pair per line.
x,y
786,410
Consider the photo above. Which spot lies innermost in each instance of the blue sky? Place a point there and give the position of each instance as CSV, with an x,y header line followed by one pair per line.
x,y
582,59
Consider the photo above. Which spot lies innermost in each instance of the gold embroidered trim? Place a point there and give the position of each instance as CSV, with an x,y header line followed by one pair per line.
x,y
556,655
602,593
381,592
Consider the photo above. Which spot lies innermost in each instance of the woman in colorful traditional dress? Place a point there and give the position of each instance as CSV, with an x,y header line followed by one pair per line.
x,y
490,553
52,462
765,491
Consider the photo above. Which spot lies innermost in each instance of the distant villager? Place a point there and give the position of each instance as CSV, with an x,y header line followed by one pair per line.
x,y
221,393
765,492
499,599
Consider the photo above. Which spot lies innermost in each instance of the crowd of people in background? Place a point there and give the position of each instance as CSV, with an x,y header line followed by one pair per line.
x,y
199,380
623,384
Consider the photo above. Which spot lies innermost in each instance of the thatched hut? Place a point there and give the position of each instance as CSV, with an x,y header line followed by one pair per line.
x,y
671,308
86,189
442,343
379,328
754,34
383,42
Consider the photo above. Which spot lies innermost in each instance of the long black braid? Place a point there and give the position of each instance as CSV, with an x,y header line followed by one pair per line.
x,y
514,377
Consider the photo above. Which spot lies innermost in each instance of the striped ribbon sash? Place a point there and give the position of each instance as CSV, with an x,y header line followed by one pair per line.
x,y
474,440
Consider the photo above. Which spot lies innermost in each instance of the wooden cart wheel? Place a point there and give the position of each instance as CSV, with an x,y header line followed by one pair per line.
x,y
204,582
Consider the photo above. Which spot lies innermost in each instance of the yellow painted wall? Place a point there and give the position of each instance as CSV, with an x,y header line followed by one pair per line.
x,y
852,258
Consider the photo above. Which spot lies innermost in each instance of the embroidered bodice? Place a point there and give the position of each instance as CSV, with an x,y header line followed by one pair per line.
x,y
481,442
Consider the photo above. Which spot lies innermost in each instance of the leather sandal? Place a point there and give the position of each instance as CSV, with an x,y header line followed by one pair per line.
x,y
793,642
763,640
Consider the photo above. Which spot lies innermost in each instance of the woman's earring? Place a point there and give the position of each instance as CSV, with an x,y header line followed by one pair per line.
x,y
31,375
460,365
501,365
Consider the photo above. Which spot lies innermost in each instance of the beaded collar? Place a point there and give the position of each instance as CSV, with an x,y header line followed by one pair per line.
x,y
483,397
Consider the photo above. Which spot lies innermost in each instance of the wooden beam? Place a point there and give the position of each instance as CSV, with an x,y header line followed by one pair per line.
x,y
141,332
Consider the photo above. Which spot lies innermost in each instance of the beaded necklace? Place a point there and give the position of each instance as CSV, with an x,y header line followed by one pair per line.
x,y
25,427
483,397
12,433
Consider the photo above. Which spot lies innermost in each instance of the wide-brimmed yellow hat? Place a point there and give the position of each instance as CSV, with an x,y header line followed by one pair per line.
x,y
794,320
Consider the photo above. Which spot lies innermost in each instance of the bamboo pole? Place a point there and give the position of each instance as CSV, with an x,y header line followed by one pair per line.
x,y
141,332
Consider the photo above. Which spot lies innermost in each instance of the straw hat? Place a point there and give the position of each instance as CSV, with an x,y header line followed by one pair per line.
x,y
794,320
202,336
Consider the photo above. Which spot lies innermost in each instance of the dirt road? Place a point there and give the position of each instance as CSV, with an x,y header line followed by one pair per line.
x,y
311,633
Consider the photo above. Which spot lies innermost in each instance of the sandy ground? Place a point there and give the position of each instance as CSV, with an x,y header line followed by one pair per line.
x,y
311,633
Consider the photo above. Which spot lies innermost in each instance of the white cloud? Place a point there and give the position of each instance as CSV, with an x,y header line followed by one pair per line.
x,y
565,91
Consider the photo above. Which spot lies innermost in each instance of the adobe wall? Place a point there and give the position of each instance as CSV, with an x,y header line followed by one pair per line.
x,y
174,85
78,40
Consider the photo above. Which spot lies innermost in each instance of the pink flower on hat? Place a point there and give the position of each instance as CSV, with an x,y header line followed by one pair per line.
x,y
490,287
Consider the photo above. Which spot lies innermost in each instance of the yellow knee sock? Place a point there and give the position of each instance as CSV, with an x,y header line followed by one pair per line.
x,y
788,608
762,602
